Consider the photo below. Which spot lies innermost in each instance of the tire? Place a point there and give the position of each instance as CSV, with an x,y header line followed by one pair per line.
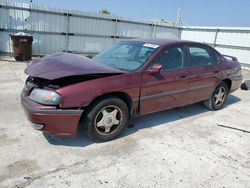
x,y
106,119
18,57
218,97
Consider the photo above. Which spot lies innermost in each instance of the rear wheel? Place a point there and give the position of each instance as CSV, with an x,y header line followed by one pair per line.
x,y
106,119
218,97
18,57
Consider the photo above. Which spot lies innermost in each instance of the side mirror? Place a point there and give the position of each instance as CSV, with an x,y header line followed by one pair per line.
x,y
156,68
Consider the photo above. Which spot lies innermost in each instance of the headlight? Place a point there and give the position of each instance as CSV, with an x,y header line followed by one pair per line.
x,y
45,97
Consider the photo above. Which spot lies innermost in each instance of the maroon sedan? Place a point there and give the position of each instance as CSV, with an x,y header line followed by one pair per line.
x,y
136,77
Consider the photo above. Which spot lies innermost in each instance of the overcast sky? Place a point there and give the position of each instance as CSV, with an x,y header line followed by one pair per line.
x,y
194,12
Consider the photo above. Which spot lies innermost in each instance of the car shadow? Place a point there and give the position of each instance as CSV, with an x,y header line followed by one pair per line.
x,y
142,122
172,115
81,140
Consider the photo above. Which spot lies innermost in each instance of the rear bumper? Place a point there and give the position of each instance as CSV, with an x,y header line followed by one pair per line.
x,y
56,121
236,83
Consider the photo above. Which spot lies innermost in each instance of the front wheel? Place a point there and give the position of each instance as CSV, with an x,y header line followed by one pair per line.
x,y
218,97
107,118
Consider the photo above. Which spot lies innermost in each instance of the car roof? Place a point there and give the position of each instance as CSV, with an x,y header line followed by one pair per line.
x,y
165,42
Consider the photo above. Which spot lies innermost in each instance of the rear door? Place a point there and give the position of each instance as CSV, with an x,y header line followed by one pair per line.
x,y
203,72
168,88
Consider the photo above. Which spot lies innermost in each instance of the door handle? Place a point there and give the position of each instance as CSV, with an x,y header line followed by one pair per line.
x,y
183,76
216,71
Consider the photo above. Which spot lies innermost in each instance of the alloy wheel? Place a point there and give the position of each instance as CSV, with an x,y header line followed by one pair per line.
x,y
108,120
220,96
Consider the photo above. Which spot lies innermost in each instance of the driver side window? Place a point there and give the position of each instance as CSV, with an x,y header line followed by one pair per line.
x,y
171,58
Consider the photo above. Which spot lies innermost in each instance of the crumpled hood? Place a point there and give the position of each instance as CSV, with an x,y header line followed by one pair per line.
x,y
64,64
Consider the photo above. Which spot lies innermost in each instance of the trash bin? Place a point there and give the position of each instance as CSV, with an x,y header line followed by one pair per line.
x,y
22,46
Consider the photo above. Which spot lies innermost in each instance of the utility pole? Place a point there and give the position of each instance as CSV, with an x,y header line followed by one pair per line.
x,y
178,18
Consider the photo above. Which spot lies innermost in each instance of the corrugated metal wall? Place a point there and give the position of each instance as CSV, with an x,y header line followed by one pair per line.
x,y
228,41
56,30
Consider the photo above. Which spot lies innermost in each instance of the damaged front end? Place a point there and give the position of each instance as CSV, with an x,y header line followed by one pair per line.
x,y
41,97
44,91
32,82
42,104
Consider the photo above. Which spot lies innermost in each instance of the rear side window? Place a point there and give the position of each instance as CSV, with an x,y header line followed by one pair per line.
x,y
200,56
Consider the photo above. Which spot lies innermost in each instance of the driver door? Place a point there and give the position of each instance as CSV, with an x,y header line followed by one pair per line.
x,y
167,88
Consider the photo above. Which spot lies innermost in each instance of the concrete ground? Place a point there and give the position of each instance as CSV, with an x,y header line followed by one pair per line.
x,y
184,147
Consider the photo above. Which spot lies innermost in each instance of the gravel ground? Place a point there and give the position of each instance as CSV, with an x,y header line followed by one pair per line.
x,y
183,147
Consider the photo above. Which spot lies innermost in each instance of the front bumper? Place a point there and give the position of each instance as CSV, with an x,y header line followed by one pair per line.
x,y
59,122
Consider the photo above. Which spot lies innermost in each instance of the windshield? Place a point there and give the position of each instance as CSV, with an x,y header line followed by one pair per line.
x,y
127,56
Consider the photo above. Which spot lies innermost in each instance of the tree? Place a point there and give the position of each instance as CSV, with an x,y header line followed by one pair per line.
x,y
104,11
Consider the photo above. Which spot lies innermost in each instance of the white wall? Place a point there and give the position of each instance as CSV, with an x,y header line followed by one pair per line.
x,y
229,41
